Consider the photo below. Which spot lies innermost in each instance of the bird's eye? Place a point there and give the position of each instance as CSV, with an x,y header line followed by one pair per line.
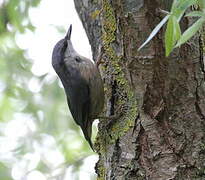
x,y
77,59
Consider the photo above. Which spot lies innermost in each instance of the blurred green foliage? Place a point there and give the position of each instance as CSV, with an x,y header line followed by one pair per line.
x,y
34,126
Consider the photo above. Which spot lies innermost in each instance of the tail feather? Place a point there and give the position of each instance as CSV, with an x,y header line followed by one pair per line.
x,y
87,131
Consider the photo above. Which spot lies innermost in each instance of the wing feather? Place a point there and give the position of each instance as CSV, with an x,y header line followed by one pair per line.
x,y
78,98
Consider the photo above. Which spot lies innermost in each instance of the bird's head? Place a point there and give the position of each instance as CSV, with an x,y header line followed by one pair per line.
x,y
62,49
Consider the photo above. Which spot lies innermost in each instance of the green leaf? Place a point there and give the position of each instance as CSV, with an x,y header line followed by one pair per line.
x,y
175,4
155,31
169,36
172,34
195,14
180,7
190,31
177,29
186,3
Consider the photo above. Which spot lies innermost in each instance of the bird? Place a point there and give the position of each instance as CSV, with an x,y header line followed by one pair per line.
x,y
82,83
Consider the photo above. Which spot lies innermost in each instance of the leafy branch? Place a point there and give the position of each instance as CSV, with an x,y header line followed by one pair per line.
x,y
173,35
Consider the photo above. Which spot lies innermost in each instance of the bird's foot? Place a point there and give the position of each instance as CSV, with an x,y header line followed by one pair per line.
x,y
112,117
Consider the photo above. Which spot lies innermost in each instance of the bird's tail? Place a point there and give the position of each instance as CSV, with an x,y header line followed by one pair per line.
x,y
88,134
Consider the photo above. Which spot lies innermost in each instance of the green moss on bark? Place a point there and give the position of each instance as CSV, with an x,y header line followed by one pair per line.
x,y
126,98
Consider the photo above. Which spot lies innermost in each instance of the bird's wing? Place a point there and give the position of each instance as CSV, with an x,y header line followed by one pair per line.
x,y
93,77
78,98
77,91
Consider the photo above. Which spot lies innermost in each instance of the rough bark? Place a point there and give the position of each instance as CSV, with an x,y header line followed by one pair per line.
x,y
161,133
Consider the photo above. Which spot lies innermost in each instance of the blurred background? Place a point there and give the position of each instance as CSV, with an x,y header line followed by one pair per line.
x,y
38,137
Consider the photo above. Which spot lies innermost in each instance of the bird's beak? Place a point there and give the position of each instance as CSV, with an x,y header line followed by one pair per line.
x,y
68,35
70,50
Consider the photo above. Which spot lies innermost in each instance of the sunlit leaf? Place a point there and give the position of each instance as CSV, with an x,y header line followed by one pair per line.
x,y
195,14
172,34
169,36
190,31
175,4
180,7
177,29
184,4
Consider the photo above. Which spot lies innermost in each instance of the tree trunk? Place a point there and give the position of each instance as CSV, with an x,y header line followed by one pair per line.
x,y
160,134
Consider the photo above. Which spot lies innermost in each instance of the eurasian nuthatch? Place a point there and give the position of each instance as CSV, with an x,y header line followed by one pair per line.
x,y
82,83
